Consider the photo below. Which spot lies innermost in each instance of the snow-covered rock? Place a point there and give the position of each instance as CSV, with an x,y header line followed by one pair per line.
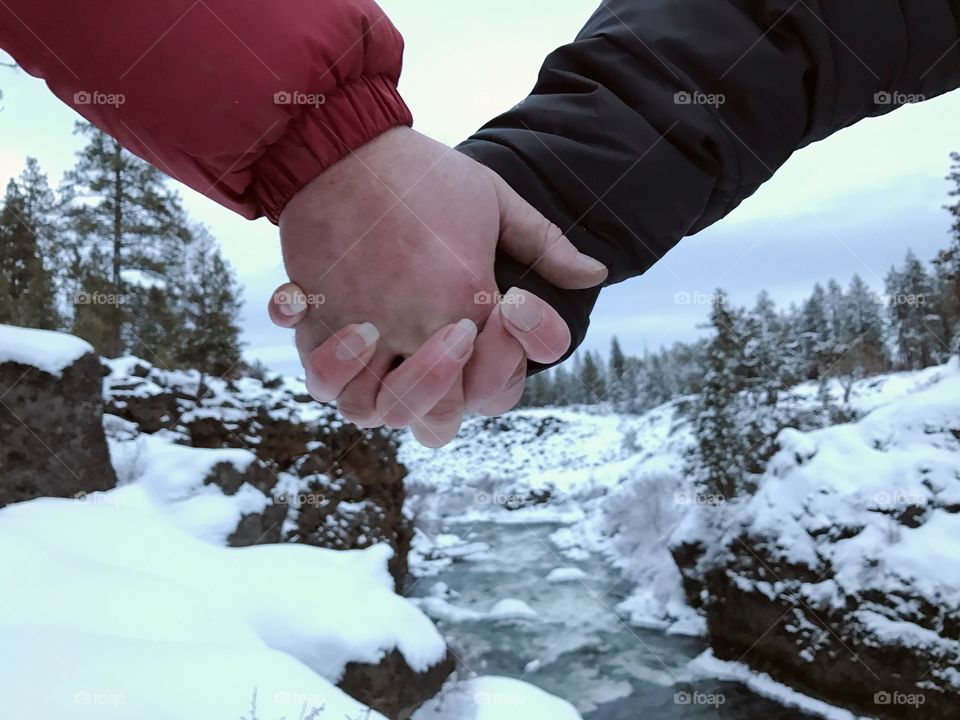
x,y
841,575
496,698
114,606
48,351
51,440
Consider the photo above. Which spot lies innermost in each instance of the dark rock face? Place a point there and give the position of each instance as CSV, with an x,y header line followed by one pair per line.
x,y
329,484
361,504
51,432
391,688
761,610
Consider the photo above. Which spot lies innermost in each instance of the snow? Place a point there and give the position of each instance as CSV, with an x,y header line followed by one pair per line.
x,y
51,352
495,698
151,608
565,574
511,609
708,666
862,476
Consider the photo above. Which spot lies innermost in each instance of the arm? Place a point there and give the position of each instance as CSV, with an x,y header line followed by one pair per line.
x,y
244,101
606,149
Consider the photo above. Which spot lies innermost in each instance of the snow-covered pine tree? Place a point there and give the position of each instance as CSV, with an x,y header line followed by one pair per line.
x,y
719,458
622,379
592,379
122,207
211,305
947,264
28,294
861,349
918,329
815,334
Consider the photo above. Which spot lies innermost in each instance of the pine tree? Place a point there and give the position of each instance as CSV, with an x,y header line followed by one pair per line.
x,y
211,337
720,455
622,388
763,349
947,264
27,283
561,392
860,337
815,335
122,207
919,332
96,309
592,378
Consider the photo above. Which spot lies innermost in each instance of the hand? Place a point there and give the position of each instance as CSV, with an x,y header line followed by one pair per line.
x,y
400,236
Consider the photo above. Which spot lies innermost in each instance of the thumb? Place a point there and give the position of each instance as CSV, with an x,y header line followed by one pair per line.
x,y
534,241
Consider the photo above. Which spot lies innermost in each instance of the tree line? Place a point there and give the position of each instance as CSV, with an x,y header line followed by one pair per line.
x,y
841,333
112,256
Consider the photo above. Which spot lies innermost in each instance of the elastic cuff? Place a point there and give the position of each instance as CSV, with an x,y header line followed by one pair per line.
x,y
356,113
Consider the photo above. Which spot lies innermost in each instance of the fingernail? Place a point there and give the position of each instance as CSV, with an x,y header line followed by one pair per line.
x,y
356,343
591,264
459,339
523,315
296,303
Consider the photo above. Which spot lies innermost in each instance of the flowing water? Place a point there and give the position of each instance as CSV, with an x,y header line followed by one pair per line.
x,y
577,646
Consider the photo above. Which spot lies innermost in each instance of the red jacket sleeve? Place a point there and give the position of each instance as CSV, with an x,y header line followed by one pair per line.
x,y
245,101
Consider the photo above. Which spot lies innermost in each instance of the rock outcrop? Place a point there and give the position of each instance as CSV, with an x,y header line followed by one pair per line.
x,y
840,577
51,434
326,484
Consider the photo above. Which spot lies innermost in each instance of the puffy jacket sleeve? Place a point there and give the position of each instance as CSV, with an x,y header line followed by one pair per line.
x,y
245,101
663,115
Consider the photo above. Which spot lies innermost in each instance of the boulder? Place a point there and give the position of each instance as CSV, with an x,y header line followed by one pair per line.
x,y
391,687
51,431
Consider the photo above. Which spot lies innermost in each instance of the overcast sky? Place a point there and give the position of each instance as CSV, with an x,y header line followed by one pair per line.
x,y
851,204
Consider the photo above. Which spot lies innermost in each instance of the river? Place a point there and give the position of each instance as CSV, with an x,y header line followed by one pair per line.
x,y
577,646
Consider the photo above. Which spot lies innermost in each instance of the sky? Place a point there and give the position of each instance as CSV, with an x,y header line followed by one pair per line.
x,y
851,204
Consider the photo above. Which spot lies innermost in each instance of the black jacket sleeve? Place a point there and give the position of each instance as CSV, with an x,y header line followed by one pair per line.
x,y
663,115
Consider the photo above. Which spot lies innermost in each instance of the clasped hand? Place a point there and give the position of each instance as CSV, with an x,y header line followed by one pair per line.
x,y
398,318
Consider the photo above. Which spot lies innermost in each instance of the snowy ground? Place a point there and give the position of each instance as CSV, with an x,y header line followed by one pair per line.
x,y
126,604
615,484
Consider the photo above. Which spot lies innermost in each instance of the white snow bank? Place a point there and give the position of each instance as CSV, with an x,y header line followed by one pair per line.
x,y
565,574
708,666
172,477
863,477
495,698
46,350
114,606
511,609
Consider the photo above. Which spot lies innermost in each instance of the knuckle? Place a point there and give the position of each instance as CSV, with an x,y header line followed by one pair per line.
x,y
355,411
445,414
